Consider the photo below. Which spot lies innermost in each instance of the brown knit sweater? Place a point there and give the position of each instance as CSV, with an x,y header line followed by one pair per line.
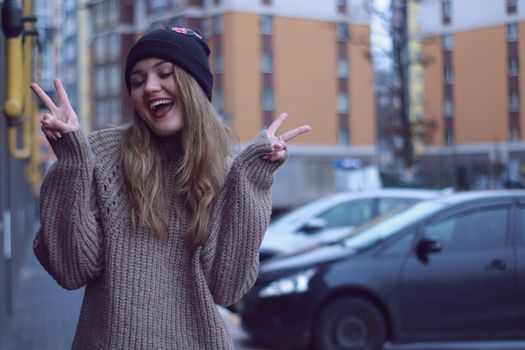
x,y
141,292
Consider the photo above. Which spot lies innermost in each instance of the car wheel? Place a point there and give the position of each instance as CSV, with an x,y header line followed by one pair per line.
x,y
349,324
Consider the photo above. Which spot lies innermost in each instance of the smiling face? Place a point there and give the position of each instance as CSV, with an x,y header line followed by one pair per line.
x,y
155,96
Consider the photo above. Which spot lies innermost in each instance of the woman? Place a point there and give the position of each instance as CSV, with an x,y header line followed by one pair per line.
x,y
152,219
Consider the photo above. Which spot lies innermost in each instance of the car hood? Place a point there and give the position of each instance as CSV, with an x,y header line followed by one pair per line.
x,y
278,237
308,257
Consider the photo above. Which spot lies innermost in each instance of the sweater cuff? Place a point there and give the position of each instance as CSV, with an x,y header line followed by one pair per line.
x,y
73,147
261,169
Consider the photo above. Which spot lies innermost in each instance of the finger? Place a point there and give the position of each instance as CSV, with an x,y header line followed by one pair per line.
x,y
272,129
278,146
52,123
49,134
48,102
63,100
295,132
57,134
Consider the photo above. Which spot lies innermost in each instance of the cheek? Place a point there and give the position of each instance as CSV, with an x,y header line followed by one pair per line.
x,y
136,100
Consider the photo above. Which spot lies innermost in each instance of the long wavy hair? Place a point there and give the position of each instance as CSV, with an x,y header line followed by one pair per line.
x,y
205,142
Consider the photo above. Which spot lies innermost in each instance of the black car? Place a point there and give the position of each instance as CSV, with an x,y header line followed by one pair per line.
x,y
451,268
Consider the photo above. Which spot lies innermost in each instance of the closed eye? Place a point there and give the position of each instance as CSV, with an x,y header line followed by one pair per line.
x,y
166,74
136,83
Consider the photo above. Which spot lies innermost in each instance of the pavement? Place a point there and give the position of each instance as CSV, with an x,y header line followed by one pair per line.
x,y
44,314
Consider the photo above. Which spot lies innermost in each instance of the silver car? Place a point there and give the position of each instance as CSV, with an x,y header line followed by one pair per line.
x,y
329,217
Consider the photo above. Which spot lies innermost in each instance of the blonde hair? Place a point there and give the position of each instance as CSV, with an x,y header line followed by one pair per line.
x,y
205,143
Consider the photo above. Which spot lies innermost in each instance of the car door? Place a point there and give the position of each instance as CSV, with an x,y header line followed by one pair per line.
x,y
520,267
466,290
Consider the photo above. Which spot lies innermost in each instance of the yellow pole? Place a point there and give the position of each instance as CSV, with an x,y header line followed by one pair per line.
x,y
13,105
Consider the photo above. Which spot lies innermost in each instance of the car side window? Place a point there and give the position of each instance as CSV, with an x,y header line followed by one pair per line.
x,y
388,204
348,213
482,229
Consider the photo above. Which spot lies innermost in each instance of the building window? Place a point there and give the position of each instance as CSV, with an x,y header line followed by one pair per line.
x,y
113,45
99,48
341,6
114,111
514,101
157,6
513,68
447,108
218,100
267,2
113,11
114,78
342,137
217,25
342,67
266,62
99,15
448,42
100,81
449,134
446,8
266,25
448,76
267,100
512,32
512,6
341,31
342,102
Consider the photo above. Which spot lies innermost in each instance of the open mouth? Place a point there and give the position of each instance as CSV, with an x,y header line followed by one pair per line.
x,y
160,107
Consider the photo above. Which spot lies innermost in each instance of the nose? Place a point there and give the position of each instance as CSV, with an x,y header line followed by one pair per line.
x,y
152,84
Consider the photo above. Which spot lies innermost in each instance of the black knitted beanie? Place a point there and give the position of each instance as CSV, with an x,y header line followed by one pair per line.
x,y
182,46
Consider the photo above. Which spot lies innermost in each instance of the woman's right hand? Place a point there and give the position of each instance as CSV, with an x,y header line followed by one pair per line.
x,y
60,119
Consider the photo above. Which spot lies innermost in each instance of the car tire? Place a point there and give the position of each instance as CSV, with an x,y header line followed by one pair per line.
x,y
349,324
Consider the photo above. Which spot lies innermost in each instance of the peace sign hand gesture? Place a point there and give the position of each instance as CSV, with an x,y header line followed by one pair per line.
x,y
61,118
279,142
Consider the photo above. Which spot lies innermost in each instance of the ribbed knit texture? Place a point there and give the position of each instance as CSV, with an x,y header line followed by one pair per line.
x,y
141,292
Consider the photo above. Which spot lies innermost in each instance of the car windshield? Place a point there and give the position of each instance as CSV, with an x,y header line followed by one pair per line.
x,y
386,225
297,214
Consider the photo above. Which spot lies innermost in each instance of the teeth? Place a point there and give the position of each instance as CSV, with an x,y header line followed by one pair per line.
x,y
153,105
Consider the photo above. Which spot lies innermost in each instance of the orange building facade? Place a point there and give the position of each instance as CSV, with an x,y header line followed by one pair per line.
x,y
473,89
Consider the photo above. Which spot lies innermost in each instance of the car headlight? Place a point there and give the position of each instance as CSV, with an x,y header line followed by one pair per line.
x,y
297,283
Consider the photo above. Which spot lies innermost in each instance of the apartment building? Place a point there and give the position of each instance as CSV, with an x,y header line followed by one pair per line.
x,y
473,85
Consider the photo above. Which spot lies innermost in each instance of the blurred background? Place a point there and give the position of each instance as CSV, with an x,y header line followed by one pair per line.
x,y
400,93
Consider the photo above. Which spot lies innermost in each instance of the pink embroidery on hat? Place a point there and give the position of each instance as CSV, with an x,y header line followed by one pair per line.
x,y
186,31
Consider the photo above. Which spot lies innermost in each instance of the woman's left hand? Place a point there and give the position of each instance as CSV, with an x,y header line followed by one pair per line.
x,y
279,142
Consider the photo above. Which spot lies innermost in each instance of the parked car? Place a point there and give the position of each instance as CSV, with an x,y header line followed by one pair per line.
x,y
447,269
329,217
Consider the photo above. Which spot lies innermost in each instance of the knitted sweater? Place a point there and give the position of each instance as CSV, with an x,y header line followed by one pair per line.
x,y
142,292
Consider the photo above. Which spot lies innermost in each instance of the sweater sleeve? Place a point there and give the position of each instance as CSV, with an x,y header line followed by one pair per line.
x,y
69,242
230,255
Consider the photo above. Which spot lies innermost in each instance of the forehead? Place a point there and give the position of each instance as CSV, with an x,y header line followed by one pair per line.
x,y
148,64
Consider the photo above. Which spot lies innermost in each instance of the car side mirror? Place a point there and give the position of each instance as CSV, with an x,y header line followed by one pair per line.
x,y
426,246
313,226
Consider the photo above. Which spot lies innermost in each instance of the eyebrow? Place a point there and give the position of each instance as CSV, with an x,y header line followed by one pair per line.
x,y
136,71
